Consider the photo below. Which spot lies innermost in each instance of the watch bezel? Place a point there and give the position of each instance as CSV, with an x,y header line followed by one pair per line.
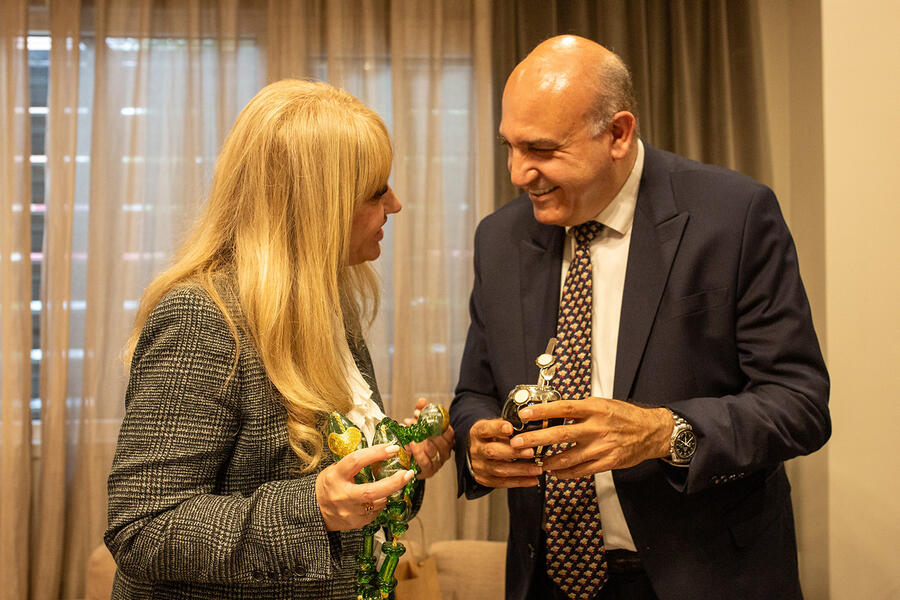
x,y
681,428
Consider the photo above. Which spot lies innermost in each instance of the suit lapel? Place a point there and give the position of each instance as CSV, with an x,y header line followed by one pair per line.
x,y
655,238
540,257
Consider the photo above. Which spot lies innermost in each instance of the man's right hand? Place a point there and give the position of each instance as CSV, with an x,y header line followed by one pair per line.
x,y
494,461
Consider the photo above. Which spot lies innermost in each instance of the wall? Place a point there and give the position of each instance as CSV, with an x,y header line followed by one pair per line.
x,y
790,37
832,99
861,96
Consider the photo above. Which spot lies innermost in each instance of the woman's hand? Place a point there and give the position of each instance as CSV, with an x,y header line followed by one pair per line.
x,y
345,504
433,452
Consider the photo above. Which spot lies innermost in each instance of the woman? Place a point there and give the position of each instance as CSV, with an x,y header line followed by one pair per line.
x,y
221,486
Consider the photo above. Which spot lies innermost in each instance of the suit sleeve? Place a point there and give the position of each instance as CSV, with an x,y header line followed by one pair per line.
x,y
476,394
782,410
166,521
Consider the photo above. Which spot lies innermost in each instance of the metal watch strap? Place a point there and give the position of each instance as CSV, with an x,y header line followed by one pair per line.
x,y
680,425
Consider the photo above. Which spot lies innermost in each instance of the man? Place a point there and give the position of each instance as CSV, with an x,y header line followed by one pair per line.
x,y
688,363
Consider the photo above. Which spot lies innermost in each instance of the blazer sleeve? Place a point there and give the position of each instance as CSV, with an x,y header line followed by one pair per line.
x,y
782,409
476,395
183,413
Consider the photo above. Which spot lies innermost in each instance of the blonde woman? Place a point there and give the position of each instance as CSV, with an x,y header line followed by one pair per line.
x,y
220,487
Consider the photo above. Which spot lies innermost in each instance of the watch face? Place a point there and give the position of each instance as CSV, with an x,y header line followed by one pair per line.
x,y
685,444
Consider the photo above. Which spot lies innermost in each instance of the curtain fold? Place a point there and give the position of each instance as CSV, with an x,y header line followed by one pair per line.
x,y
61,150
15,302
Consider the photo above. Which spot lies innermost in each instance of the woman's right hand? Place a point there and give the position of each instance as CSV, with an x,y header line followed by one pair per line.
x,y
345,504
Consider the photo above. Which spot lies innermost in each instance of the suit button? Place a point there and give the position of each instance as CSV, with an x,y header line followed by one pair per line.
x,y
300,570
256,575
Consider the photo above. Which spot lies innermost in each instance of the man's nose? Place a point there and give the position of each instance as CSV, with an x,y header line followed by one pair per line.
x,y
521,171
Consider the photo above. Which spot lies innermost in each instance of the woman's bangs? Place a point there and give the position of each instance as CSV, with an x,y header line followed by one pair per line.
x,y
376,159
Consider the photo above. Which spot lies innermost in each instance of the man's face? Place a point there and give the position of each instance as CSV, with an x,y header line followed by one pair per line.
x,y
553,156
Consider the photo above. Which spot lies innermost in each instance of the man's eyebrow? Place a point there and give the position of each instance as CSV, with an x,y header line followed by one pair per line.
x,y
535,143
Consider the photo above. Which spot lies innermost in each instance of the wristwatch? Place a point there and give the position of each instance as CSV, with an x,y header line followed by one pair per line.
x,y
683,442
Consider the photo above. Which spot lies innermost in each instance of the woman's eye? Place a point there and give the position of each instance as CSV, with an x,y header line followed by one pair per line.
x,y
381,192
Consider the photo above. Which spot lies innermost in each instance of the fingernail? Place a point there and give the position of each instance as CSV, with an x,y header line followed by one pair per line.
x,y
417,412
507,429
392,449
409,475
516,442
525,413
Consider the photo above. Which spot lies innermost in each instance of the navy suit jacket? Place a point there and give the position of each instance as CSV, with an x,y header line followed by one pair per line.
x,y
716,326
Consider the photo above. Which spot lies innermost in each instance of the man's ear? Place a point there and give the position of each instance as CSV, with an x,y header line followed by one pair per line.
x,y
622,129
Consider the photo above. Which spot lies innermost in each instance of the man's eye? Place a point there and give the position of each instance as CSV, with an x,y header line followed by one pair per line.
x,y
542,150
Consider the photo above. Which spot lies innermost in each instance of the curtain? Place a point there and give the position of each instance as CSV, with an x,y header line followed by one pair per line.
x,y
424,67
141,95
15,302
696,66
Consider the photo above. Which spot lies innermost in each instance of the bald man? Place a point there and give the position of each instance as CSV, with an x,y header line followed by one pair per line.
x,y
703,373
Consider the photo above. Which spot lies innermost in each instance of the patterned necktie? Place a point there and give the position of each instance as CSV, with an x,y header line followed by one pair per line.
x,y
576,560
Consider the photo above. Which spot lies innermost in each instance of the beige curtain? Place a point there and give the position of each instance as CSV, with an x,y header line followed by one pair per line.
x,y
697,69
141,95
15,298
425,68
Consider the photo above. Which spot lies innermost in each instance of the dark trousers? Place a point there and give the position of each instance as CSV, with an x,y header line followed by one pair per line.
x,y
625,581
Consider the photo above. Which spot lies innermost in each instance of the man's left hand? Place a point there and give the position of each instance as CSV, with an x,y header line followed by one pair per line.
x,y
607,434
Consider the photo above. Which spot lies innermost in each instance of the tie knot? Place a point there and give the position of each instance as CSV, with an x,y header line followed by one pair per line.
x,y
587,231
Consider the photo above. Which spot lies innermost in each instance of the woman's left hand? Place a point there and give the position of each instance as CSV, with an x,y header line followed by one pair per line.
x,y
433,452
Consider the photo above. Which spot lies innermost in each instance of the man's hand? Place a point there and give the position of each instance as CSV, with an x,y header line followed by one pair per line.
x,y
608,434
494,461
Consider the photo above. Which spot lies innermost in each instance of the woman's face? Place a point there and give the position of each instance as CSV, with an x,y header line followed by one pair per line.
x,y
366,231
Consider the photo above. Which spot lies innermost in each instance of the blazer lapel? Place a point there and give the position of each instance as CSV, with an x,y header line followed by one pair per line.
x,y
655,238
540,257
363,361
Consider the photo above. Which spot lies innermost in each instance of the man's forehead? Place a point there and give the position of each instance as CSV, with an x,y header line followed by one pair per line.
x,y
531,120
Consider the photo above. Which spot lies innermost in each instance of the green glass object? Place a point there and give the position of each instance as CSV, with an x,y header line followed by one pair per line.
x,y
343,437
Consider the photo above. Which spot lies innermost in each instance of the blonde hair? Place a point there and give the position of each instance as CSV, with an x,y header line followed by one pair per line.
x,y
300,158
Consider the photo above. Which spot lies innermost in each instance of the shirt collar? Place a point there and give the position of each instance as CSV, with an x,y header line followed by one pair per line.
x,y
619,214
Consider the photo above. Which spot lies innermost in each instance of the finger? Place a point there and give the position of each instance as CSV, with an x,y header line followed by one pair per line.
x,y
423,452
567,459
546,437
508,469
351,464
375,507
491,428
568,409
370,492
508,482
444,446
581,470
408,421
420,404
499,451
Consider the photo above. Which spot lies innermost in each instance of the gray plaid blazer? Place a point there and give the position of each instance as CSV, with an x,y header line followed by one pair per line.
x,y
205,500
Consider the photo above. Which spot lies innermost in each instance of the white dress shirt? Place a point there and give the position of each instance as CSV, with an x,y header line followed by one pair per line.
x,y
364,413
609,257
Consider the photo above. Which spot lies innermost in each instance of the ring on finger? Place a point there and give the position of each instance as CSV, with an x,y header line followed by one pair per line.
x,y
437,457
370,508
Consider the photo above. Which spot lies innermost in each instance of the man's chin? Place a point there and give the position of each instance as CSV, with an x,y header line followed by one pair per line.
x,y
549,215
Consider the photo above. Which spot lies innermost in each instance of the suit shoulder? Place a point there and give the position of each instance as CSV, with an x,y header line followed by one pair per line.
x,y
687,171
515,215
